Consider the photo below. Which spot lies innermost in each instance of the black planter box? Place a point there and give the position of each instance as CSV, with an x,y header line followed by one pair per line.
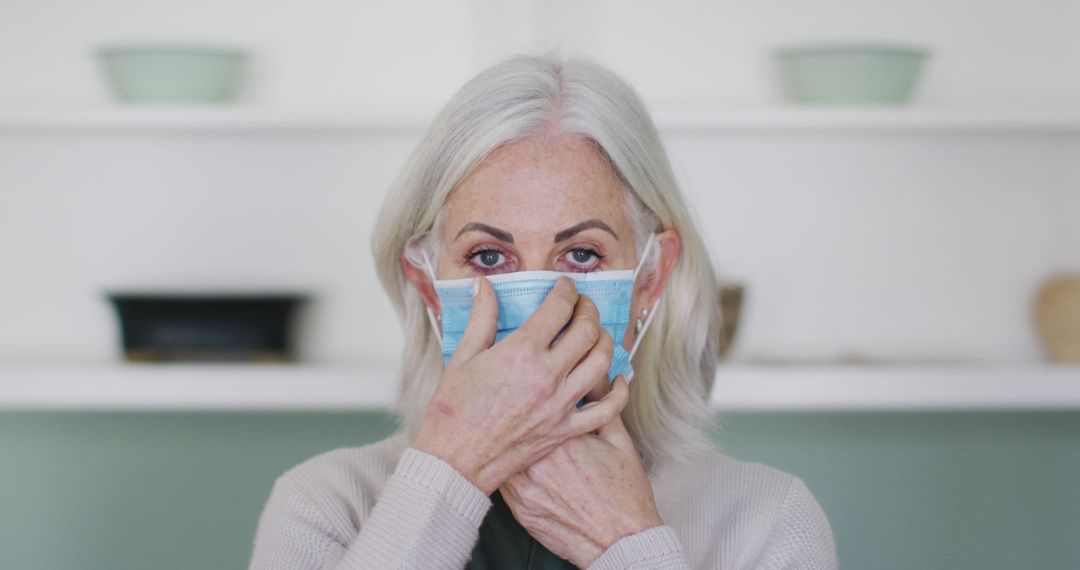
x,y
206,326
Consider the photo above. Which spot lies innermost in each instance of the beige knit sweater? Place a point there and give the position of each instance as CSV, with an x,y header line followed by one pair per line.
x,y
387,505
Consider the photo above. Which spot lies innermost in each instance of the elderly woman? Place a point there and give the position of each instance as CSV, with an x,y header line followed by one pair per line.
x,y
535,234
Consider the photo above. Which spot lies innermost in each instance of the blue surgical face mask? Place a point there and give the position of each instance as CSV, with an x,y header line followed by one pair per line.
x,y
519,294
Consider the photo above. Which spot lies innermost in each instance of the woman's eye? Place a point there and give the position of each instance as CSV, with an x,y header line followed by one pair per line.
x,y
488,258
583,258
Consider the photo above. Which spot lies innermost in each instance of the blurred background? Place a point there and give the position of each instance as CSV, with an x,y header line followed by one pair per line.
x,y
188,306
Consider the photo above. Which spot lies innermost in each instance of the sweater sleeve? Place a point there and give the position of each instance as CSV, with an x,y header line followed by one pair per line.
x,y
801,539
656,548
427,516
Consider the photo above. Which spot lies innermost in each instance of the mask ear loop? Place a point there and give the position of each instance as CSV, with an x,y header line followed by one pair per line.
x,y
430,314
644,254
656,303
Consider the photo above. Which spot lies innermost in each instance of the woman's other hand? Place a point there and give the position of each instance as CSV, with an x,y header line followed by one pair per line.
x,y
498,409
585,495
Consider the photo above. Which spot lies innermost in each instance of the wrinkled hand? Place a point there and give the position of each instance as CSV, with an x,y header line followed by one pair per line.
x,y
585,495
499,408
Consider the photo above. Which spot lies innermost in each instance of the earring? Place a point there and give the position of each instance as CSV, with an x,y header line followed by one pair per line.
x,y
640,322
439,318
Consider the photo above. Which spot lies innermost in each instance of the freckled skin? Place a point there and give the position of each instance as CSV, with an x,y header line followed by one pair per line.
x,y
533,188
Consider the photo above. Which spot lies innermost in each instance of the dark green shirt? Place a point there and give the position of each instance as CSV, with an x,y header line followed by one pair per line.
x,y
505,544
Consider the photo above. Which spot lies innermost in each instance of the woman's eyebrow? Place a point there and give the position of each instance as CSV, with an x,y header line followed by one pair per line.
x,y
496,233
587,224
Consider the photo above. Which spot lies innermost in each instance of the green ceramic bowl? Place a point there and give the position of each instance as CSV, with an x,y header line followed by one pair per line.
x,y
834,74
173,74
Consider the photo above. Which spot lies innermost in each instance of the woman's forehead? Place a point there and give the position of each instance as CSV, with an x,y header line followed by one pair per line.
x,y
539,185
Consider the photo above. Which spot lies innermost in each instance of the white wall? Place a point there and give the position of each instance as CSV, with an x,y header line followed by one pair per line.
x,y
913,246
84,214
877,244
1068,241
700,51
346,52
416,52
881,245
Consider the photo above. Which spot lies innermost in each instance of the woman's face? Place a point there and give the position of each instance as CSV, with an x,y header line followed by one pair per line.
x,y
543,203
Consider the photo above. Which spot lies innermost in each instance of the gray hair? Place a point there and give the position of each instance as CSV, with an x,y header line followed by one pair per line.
x,y
668,413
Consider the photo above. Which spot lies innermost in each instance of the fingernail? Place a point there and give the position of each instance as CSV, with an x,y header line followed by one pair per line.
x,y
475,286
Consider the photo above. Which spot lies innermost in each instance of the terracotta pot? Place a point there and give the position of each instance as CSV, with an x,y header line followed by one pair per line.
x,y
1057,316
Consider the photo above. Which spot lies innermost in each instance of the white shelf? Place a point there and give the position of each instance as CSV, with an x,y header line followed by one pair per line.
x,y
897,388
195,387
241,387
872,119
240,118
210,119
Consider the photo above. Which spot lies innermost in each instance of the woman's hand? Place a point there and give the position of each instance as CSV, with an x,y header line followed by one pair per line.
x,y
585,495
498,409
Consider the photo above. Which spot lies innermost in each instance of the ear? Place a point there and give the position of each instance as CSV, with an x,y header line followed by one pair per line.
x,y
651,284
420,279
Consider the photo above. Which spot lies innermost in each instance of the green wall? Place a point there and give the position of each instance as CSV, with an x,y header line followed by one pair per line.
x,y
179,490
